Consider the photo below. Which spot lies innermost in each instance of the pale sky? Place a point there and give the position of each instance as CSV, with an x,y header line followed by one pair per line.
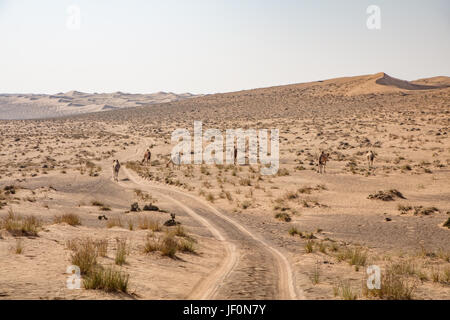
x,y
208,46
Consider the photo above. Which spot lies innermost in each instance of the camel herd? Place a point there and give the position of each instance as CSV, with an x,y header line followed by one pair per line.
x,y
321,161
325,156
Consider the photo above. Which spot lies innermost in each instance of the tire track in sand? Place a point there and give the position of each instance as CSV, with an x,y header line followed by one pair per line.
x,y
207,287
286,286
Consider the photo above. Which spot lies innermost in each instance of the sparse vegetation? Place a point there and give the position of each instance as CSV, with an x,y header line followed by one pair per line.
x,y
18,225
84,254
69,218
283,216
121,251
355,256
107,279
146,223
389,195
309,246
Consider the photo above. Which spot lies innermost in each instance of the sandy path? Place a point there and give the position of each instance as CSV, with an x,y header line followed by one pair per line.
x,y
262,267
207,288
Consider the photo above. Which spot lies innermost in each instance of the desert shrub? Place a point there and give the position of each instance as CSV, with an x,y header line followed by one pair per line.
x,y
84,254
290,195
19,225
346,291
180,232
246,204
107,279
210,197
121,251
96,203
406,167
169,246
102,247
395,285
283,216
186,245
245,182
305,190
355,256
386,195
146,223
114,222
419,210
447,223
69,218
315,277
309,246
322,247
404,208
283,172
293,231
151,245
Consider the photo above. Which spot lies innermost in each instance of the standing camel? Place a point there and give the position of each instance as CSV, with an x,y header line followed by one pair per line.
x,y
116,168
370,156
322,161
174,161
147,157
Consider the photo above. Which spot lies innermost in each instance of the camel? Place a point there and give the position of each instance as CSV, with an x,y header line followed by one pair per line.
x,y
370,156
175,162
322,161
147,157
116,168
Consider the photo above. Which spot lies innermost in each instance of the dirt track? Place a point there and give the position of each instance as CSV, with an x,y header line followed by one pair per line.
x,y
251,268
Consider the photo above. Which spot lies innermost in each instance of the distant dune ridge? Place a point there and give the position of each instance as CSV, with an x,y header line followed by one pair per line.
x,y
39,106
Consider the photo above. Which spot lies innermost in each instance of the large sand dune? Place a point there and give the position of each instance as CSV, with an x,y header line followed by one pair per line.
x,y
39,106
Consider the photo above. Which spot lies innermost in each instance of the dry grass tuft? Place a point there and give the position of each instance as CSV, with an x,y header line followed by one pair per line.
x,y
69,218
19,225
107,279
121,251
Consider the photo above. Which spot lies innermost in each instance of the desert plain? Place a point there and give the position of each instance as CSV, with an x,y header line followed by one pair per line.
x,y
224,231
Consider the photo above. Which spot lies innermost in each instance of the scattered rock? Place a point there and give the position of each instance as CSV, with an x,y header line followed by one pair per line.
x,y
150,207
171,222
135,207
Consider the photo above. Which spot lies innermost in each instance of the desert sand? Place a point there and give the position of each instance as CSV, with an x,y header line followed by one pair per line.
x,y
298,234
39,106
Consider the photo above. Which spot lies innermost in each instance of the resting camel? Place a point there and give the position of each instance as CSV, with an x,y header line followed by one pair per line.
x,y
116,168
322,161
370,156
147,157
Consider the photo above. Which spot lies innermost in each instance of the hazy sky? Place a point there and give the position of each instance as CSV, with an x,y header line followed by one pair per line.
x,y
207,46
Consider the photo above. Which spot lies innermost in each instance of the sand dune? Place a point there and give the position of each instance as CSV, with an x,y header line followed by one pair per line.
x,y
39,106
